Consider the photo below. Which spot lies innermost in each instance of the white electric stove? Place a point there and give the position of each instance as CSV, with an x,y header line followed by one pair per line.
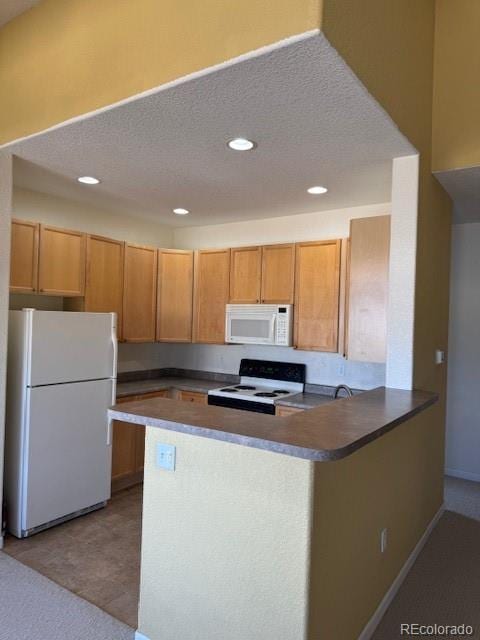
x,y
262,384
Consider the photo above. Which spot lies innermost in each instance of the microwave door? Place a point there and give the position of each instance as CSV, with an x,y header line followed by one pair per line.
x,y
251,329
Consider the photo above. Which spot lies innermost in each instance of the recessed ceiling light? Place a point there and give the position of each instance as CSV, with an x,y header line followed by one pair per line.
x,y
317,190
88,180
181,212
241,144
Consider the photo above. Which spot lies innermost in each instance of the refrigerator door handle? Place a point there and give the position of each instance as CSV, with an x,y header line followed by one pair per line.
x,y
115,344
109,432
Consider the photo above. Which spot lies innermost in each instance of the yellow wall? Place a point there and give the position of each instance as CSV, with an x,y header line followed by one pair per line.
x,y
255,544
64,58
391,483
456,97
390,47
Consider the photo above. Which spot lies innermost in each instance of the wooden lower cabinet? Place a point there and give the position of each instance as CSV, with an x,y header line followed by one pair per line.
x,y
128,447
193,396
286,411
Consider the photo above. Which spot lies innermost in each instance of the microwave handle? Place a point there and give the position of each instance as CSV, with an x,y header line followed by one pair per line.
x,y
273,328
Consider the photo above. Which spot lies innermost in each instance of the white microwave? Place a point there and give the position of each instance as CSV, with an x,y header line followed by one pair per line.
x,y
259,324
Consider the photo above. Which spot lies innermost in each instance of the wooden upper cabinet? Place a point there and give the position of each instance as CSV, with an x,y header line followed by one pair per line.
x,y
245,275
139,293
61,270
211,294
24,256
278,273
104,277
175,295
367,296
317,282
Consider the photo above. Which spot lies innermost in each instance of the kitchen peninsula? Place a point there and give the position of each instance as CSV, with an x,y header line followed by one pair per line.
x,y
267,524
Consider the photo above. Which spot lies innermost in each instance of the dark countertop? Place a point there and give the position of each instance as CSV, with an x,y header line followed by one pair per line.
x,y
328,432
304,401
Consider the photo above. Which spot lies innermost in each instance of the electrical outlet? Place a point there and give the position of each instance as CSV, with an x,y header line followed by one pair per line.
x,y
439,356
383,540
341,368
165,458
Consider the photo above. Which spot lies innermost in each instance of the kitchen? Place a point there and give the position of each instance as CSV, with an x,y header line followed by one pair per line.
x,y
329,255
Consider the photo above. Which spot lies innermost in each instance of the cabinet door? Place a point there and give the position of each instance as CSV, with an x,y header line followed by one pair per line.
x,y
193,396
368,289
278,273
245,275
24,257
211,291
104,277
123,450
175,295
317,280
61,262
139,293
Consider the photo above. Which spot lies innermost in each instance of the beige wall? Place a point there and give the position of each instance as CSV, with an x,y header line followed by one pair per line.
x,y
5,214
294,228
63,59
60,212
456,97
225,548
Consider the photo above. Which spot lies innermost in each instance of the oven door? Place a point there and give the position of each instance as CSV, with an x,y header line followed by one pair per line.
x,y
250,328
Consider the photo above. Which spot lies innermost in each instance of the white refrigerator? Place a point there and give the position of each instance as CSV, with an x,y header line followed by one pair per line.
x,y
61,379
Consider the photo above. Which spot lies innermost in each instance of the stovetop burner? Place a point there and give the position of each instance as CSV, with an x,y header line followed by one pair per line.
x,y
281,391
265,394
229,390
245,387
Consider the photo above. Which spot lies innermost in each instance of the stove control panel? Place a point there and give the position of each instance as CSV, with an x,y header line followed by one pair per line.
x,y
287,371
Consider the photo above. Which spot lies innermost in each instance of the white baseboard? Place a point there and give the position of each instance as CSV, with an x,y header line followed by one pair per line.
x,y
372,624
465,475
140,636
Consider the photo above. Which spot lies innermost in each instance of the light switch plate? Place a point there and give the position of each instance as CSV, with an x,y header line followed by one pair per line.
x,y
165,456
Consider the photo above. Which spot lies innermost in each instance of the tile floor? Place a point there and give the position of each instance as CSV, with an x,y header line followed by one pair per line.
x,y
96,556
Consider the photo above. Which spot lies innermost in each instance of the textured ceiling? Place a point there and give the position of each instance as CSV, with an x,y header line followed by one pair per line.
x,y
9,9
463,186
313,121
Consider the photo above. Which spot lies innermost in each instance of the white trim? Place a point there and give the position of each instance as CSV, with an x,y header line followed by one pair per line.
x,y
372,624
256,53
465,475
140,636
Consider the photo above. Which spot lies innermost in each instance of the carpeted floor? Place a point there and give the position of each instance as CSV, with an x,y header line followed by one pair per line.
x,y
33,607
443,586
462,496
